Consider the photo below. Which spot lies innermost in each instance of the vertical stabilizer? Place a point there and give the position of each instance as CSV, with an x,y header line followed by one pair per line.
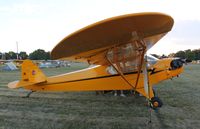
x,y
30,75
31,72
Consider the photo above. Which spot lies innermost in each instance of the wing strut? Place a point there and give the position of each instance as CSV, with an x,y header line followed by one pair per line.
x,y
141,63
119,72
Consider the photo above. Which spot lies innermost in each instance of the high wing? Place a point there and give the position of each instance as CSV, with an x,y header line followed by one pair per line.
x,y
119,38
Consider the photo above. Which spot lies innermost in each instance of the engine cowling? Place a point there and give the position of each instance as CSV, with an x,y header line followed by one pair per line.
x,y
176,63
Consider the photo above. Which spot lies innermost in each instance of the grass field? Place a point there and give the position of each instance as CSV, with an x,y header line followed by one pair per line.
x,y
85,110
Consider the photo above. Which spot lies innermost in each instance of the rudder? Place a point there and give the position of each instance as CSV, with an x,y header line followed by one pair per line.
x,y
31,72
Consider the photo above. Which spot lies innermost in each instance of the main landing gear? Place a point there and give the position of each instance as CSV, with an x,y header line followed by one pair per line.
x,y
155,103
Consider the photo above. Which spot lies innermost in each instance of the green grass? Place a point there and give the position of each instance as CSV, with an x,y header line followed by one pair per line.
x,y
85,110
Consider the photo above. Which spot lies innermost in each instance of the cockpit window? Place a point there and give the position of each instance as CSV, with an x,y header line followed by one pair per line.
x,y
127,58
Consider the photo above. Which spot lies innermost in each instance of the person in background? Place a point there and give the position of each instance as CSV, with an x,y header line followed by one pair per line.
x,y
112,71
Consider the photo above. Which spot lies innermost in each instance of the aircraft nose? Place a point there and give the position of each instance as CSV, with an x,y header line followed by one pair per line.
x,y
176,63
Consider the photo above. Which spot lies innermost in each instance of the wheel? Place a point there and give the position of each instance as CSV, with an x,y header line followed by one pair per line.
x,y
155,103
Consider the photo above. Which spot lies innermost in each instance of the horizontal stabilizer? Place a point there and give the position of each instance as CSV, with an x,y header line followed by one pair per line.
x,y
13,85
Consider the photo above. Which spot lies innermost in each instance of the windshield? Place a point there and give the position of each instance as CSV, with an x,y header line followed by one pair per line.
x,y
151,59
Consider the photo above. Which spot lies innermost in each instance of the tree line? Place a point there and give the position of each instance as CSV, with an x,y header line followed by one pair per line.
x,y
38,54
189,55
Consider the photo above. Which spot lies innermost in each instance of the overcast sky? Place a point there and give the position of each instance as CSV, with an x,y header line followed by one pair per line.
x,y
43,23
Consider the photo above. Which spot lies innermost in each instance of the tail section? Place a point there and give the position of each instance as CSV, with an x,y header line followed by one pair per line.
x,y
31,74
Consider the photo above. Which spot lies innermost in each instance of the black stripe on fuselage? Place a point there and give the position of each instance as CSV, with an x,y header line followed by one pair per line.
x,y
107,76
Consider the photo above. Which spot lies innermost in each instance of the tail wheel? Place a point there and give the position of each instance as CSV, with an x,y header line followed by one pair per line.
x,y
155,103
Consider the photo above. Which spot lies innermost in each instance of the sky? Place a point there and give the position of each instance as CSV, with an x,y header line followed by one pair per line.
x,y
35,24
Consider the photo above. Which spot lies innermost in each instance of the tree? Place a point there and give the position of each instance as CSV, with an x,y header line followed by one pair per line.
x,y
39,54
12,55
180,54
48,55
189,54
6,56
196,54
23,55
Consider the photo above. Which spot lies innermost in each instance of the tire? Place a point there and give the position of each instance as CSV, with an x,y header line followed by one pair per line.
x,y
155,103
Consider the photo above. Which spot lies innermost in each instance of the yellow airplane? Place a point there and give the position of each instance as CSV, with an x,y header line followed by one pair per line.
x,y
117,49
